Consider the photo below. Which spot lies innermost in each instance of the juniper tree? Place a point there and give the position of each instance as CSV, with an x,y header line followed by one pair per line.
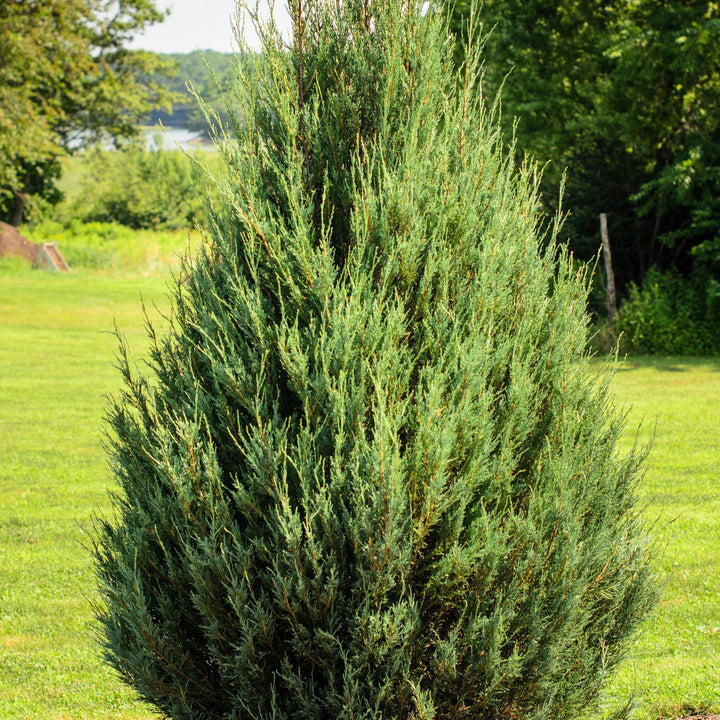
x,y
368,474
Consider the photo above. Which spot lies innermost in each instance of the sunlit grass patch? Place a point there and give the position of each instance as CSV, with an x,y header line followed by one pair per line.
x,y
56,354
674,666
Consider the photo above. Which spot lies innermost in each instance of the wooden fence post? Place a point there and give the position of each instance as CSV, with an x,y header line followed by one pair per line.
x,y
607,257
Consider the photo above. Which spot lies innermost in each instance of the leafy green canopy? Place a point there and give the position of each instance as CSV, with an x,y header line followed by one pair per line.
x,y
368,475
625,95
67,79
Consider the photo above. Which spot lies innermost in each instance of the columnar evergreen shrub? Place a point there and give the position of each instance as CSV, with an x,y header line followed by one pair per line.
x,y
368,474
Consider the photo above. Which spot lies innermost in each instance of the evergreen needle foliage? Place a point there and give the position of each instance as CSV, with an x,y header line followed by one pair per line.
x,y
367,475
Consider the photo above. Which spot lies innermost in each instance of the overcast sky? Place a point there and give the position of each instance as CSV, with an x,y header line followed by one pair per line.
x,y
203,25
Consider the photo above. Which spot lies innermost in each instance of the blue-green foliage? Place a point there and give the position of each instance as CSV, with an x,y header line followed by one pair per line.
x,y
368,474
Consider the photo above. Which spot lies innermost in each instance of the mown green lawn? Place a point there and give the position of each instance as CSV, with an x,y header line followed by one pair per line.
x,y
56,363
674,667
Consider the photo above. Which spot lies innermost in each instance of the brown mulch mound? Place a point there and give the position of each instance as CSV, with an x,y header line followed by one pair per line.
x,y
13,243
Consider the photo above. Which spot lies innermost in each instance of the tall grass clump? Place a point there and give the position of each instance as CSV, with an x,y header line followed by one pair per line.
x,y
110,248
367,474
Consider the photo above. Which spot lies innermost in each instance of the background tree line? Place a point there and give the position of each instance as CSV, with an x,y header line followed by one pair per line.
x,y
208,73
622,94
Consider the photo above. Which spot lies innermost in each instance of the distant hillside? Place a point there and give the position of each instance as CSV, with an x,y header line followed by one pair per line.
x,y
196,69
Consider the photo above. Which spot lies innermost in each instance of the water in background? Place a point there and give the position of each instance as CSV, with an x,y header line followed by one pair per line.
x,y
170,138
160,137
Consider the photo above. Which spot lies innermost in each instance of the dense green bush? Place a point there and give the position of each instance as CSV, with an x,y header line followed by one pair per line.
x,y
142,188
368,474
672,315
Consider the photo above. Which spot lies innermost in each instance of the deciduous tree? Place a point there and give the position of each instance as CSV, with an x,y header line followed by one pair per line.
x,y
624,95
67,79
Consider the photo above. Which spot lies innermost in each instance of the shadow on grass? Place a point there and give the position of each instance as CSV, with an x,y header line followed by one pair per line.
x,y
668,363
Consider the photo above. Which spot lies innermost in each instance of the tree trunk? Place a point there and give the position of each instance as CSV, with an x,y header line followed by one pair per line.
x,y
18,209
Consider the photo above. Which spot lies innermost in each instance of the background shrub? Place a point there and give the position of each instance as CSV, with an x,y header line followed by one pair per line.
x,y
142,188
14,265
368,474
672,315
